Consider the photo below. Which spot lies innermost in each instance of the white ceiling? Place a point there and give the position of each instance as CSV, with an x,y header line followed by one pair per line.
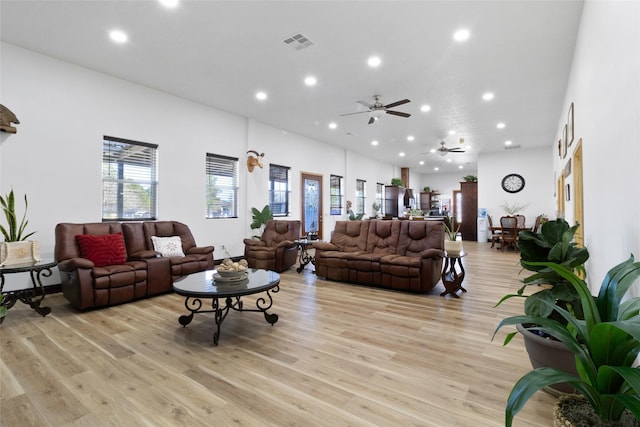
x,y
220,53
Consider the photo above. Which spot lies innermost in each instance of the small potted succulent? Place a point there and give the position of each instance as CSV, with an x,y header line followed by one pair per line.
x,y
16,249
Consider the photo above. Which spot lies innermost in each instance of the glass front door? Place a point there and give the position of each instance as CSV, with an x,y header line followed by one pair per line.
x,y
311,204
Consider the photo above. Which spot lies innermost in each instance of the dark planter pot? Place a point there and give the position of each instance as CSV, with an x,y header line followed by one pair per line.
x,y
545,352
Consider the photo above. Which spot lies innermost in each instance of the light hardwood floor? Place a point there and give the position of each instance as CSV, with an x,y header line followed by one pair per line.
x,y
339,355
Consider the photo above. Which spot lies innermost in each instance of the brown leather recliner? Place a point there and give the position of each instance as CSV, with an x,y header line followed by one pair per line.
x,y
276,249
142,272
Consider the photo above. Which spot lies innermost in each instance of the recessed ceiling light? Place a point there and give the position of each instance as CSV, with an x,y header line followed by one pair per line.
x,y
487,96
461,35
170,4
261,96
425,108
433,150
436,169
310,81
374,61
374,142
460,167
500,125
333,125
118,36
508,142
452,132
421,162
448,160
401,154
410,138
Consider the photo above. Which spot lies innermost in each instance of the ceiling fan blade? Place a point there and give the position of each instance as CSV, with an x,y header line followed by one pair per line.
x,y
366,104
398,113
455,150
395,104
371,120
357,112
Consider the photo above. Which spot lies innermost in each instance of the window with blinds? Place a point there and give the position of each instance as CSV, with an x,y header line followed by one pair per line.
x,y
335,185
279,190
360,195
129,180
222,186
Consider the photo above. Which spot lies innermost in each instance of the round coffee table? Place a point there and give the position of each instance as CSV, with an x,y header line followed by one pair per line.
x,y
208,284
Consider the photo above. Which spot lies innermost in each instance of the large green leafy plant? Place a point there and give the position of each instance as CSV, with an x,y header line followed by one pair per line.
x,y
554,243
15,231
605,342
260,218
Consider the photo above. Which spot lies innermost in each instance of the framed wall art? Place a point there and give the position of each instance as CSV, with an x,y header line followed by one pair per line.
x,y
564,142
560,148
570,131
567,168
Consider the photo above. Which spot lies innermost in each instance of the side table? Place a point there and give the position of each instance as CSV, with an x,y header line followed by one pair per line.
x,y
32,296
304,257
452,279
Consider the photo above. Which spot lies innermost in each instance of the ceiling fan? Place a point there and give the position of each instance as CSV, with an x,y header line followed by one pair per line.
x,y
377,109
443,150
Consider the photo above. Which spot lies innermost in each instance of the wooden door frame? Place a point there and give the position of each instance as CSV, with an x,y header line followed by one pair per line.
x,y
319,178
578,193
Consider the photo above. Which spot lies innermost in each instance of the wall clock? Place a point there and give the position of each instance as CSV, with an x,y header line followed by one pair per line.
x,y
512,183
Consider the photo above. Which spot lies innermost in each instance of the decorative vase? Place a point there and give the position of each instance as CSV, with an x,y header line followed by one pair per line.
x,y
24,252
547,352
453,247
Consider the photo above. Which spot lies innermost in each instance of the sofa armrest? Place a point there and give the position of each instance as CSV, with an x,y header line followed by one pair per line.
x,y
432,253
142,255
73,264
200,250
254,242
286,244
325,246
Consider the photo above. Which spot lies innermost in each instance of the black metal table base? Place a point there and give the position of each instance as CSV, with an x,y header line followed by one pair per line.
x,y
195,305
32,296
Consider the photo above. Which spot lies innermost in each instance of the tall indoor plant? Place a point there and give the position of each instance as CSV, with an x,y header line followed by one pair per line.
x,y
260,218
553,243
605,344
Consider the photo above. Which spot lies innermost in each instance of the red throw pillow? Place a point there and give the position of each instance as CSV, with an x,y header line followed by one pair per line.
x,y
102,250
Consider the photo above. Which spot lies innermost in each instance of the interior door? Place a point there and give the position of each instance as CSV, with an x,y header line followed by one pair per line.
x,y
311,198
456,208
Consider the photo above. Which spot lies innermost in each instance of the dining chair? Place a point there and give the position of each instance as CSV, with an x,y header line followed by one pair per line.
x,y
521,221
495,232
509,229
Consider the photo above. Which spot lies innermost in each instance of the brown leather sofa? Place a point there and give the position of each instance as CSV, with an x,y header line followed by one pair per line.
x,y
275,250
402,255
140,271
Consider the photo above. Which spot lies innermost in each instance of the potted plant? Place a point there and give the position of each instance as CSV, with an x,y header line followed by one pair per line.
x,y
553,243
260,219
605,343
376,209
470,178
514,208
397,182
353,216
16,249
451,244
426,190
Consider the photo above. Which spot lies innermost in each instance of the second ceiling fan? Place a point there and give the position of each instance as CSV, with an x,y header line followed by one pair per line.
x,y
378,109
443,150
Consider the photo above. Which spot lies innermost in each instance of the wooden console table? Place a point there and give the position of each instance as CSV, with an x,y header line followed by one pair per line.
x,y
32,296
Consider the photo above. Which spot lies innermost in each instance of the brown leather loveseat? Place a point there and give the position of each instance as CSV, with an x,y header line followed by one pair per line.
x,y
276,249
402,255
103,264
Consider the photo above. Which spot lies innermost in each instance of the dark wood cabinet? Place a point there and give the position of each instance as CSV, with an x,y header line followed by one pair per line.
x,y
393,200
469,195
430,203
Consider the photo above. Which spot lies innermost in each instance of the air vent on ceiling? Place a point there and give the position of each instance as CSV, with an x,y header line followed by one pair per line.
x,y
298,41
511,147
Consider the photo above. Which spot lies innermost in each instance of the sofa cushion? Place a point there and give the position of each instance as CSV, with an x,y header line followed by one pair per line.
x,y
102,250
168,246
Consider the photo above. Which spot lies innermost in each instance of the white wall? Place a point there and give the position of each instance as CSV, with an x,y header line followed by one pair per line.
x,y
534,165
604,86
